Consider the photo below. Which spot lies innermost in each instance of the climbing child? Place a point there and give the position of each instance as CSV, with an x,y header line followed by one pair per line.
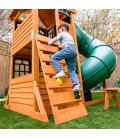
x,y
68,53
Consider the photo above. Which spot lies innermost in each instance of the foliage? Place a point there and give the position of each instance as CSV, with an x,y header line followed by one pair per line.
x,y
1,96
103,24
117,83
5,25
6,90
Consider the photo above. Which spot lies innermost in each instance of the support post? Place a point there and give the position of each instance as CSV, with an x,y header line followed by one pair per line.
x,y
35,57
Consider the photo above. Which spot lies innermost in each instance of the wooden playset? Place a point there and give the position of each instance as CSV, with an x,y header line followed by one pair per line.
x,y
32,89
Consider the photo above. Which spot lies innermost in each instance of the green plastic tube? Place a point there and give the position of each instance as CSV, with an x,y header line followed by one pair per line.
x,y
100,62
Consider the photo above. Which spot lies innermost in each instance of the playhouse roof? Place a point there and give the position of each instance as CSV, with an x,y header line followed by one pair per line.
x,y
15,11
27,11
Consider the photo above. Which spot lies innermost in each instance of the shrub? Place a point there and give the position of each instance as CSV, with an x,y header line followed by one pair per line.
x,y
117,83
6,90
1,96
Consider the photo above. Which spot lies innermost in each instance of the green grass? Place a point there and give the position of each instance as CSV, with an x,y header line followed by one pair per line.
x,y
97,118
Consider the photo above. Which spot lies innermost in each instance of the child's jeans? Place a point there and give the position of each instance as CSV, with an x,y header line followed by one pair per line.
x,y
69,54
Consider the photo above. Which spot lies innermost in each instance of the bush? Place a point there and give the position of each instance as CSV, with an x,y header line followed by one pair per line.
x,y
6,90
1,96
117,83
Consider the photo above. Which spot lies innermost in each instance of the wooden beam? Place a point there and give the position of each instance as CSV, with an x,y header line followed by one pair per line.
x,y
57,19
94,102
35,57
40,102
78,57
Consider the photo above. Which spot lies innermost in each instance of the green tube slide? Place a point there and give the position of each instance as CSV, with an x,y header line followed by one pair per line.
x,y
100,62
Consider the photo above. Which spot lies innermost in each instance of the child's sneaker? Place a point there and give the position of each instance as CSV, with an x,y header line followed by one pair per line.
x,y
59,74
77,88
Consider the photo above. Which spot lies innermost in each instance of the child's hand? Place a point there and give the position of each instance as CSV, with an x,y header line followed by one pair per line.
x,y
60,46
48,42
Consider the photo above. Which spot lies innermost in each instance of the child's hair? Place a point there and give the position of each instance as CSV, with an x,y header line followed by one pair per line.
x,y
65,26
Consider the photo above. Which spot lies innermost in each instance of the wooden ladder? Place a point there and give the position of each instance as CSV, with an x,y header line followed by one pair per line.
x,y
64,106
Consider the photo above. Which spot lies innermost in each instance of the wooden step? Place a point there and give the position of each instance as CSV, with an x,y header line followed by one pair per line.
x,y
68,114
45,39
49,69
46,58
52,83
47,48
64,97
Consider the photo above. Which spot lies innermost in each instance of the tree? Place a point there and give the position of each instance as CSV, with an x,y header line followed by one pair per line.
x,y
5,26
103,24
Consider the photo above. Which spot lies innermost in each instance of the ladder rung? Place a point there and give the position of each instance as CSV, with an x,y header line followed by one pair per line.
x,y
46,58
45,39
70,113
47,48
49,69
64,97
52,83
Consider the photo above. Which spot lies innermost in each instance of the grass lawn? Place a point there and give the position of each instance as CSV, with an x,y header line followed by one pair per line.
x,y
97,118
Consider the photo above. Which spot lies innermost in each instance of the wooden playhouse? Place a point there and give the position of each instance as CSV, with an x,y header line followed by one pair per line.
x,y
32,90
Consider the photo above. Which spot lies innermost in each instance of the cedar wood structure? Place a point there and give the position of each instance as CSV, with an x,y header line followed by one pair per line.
x,y
32,90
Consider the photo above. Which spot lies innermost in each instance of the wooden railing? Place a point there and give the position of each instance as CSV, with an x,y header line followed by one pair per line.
x,y
22,35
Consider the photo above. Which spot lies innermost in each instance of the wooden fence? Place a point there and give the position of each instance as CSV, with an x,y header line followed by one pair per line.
x,y
116,74
4,65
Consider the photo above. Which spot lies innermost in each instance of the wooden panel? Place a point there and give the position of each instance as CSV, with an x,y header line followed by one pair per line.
x,y
22,85
49,69
52,83
46,58
69,114
4,71
59,98
22,24
22,44
68,105
22,101
56,90
21,108
21,31
29,89
21,95
47,48
47,17
45,39
23,37
22,79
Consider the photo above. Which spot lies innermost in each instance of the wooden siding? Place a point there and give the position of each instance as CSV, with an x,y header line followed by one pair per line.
x,y
21,94
23,34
